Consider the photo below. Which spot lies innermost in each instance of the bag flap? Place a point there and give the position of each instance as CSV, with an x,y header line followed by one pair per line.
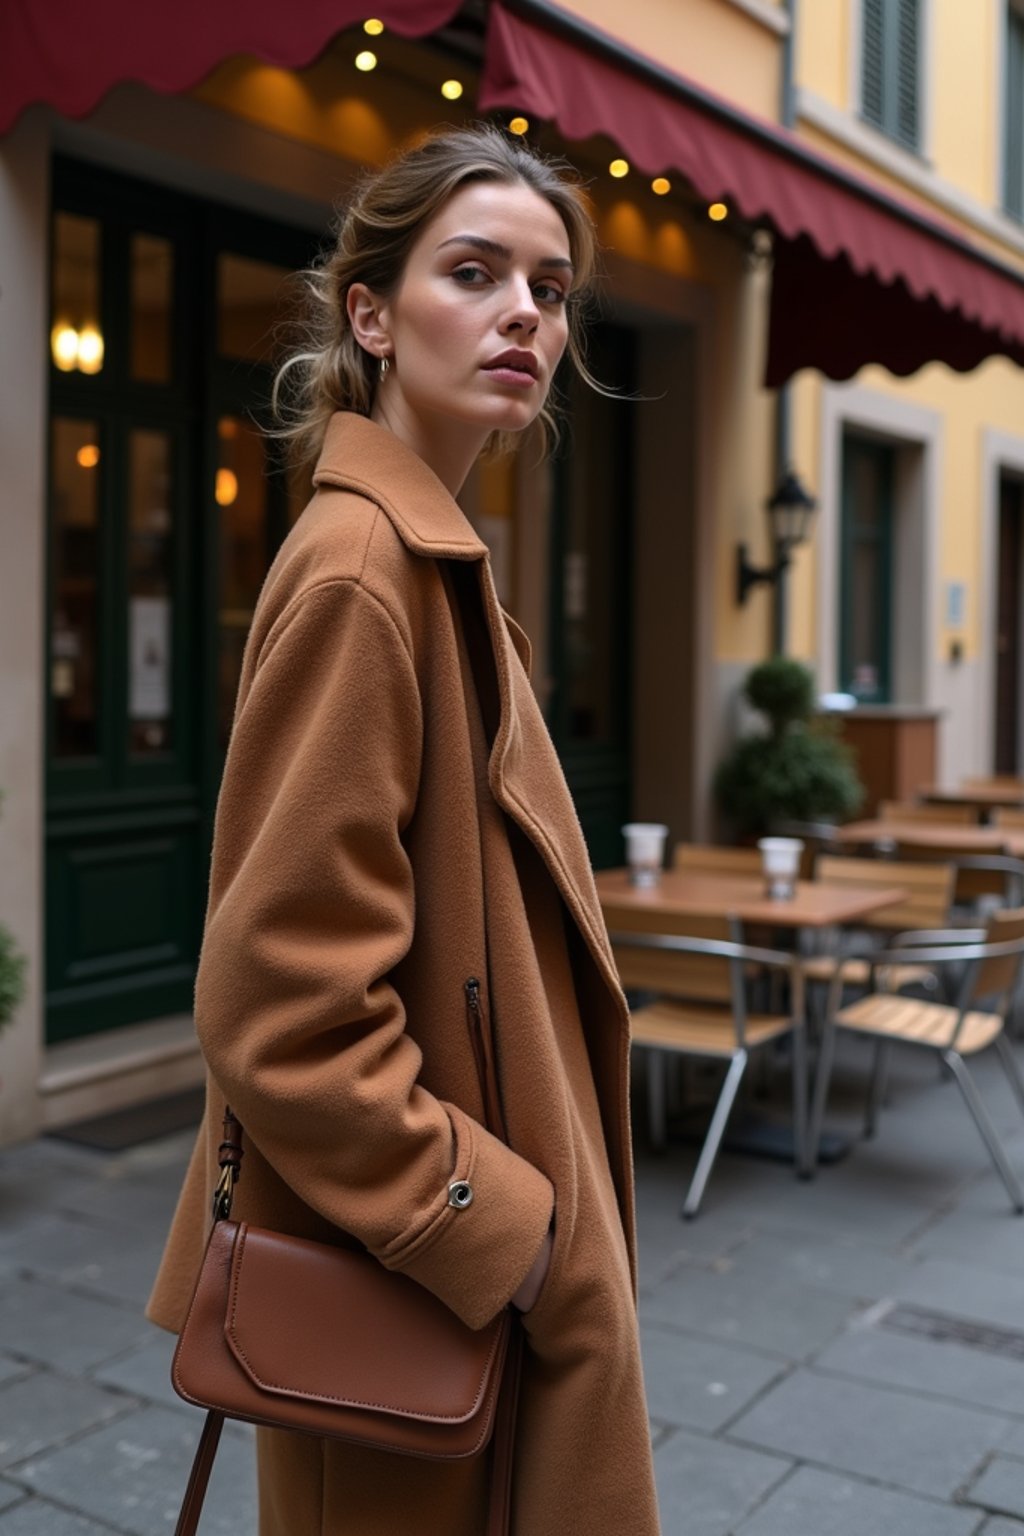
x,y
330,1325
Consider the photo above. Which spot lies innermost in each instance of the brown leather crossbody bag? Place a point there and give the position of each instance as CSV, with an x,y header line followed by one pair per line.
x,y
311,1337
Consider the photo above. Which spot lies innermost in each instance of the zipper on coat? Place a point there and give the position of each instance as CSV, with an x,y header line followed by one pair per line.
x,y
486,1065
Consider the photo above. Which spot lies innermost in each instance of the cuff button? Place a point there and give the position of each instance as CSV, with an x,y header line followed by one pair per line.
x,y
460,1194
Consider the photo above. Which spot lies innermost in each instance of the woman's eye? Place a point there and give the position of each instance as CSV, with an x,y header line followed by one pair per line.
x,y
549,293
469,276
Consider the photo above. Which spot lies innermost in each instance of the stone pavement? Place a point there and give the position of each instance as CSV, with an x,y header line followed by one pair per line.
x,y
839,1358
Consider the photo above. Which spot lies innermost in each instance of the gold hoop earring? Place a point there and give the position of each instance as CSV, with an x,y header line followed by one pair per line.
x,y
385,367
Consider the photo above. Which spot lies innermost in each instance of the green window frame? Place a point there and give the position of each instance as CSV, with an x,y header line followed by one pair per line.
x,y
890,71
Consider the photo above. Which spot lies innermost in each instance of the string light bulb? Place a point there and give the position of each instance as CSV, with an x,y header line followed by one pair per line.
x,y
373,27
64,347
717,212
519,125
227,487
366,61
618,169
90,349
660,185
88,456
451,90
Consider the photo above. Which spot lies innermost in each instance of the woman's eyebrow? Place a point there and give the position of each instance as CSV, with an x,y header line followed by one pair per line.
x,y
492,248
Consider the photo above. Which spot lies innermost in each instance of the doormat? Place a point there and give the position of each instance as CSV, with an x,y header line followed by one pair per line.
x,y
130,1127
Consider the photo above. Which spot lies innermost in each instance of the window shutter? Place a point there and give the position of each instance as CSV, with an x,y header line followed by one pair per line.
x,y
1013,121
907,52
890,67
872,62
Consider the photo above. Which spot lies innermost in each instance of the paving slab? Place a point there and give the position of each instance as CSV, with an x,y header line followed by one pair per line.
x,y
87,1258
44,1410
706,1487
981,1232
940,1367
146,1372
857,1269
10,1493
38,1517
998,1527
915,1443
768,1312
43,1322
965,1290
9,1369
132,1474
1000,1488
701,1383
815,1503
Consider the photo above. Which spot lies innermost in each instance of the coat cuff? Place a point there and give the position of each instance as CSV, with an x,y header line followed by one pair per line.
x,y
474,1256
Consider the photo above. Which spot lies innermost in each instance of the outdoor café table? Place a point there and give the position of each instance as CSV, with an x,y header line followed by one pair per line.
x,y
681,894
984,797
937,834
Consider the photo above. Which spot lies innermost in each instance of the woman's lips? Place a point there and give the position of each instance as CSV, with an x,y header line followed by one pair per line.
x,y
518,377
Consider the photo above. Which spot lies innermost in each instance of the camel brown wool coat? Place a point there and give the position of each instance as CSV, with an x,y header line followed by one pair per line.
x,y
385,831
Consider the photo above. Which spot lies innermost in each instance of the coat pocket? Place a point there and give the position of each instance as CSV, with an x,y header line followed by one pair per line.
x,y
482,1040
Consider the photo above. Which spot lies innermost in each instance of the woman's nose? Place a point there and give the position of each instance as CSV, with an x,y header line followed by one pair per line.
x,y
523,313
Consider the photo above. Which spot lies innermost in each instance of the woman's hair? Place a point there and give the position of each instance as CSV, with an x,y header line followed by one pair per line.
x,y
376,232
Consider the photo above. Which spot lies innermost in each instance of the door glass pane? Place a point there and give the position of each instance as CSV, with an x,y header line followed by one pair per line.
x,y
150,585
74,643
152,267
252,300
76,337
241,495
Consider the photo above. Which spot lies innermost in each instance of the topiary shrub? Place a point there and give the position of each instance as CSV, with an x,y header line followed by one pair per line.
x,y
798,770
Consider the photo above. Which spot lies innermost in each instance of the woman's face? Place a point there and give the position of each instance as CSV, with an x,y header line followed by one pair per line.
x,y
478,323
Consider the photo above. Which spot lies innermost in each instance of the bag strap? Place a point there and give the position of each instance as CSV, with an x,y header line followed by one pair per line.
x,y
499,1515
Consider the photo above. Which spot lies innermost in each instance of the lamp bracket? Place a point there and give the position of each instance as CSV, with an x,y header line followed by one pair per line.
x,y
748,575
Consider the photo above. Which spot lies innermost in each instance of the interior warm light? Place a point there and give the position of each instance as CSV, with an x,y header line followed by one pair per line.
x,y
718,212
661,185
88,456
373,27
227,427
90,349
64,347
451,90
366,61
227,487
619,168
519,125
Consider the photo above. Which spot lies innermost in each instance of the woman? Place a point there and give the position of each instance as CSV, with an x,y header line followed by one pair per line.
x,y
395,844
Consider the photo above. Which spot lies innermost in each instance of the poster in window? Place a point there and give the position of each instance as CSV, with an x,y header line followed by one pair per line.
x,y
150,658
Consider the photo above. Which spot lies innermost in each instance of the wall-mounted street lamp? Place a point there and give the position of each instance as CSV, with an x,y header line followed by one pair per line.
x,y
790,511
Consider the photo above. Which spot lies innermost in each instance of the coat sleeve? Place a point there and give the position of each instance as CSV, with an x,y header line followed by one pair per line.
x,y
311,907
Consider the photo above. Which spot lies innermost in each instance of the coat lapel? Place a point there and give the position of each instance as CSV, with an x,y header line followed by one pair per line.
x,y
525,775
527,781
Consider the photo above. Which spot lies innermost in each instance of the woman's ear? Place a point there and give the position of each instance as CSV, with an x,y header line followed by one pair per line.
x,y
366,317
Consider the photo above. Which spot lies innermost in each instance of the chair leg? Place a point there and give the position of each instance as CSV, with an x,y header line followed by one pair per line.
x,y
1011,1067
826,1055
876,1088
656,1098
958,1067
716,1130
800,1128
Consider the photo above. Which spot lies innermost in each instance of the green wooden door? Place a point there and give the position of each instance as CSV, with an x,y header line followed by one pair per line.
x,y
865,570
139,523
589,706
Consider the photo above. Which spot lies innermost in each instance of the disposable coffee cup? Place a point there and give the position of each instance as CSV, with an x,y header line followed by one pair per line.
x,y
780,860
645,851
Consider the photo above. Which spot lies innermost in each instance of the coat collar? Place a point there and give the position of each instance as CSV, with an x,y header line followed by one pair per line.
x,y
359,455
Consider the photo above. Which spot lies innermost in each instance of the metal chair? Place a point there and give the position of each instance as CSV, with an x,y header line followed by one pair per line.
x,y
701,1009
951,1032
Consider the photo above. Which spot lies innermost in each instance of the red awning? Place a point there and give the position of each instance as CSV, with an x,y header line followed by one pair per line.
x,y
68,53
859,275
